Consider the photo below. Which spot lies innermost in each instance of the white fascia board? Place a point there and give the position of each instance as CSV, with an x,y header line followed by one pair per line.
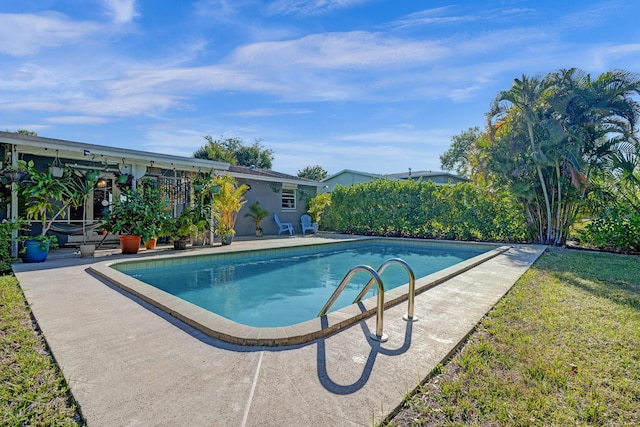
x,y
99,153
274,179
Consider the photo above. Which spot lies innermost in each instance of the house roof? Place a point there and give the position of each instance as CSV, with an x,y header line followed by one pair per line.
x,y
424,174
49,147
354,172
252,172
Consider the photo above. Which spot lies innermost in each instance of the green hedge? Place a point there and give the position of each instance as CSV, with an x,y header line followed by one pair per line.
x,y
410,208
6,228
617,228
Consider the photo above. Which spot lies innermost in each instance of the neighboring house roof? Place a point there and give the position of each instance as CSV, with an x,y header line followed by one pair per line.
x,y
252,172
353,172
426,174
401,175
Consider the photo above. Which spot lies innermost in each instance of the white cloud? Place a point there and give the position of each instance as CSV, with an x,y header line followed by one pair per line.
x,y
26,34
76,120
311,7
270,112
357,49
122,11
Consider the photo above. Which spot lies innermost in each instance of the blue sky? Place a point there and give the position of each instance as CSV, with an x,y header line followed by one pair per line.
x,y
372,85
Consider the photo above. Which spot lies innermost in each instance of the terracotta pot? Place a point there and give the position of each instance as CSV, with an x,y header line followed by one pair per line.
x,y
151,243
129,244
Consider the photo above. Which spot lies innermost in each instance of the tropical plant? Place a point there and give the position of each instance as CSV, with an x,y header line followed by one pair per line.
x,y
257,213
227,204
47,198
181,226
84,185
204,191
141,212
317,206
550,135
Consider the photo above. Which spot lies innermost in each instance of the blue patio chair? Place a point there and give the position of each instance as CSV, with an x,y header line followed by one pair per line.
x,y
283,226
307,224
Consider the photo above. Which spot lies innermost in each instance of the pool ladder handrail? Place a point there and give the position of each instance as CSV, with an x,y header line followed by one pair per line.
x,y
412,286
378,335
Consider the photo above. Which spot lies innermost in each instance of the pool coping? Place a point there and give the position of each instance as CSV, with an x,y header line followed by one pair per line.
x,y
221,328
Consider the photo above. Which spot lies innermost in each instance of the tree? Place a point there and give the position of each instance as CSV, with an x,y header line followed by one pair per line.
x,y
315,173
26,132
467,154
233,151
548,136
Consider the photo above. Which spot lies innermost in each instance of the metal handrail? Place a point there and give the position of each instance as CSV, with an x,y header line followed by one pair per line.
x,y
412,286
378,336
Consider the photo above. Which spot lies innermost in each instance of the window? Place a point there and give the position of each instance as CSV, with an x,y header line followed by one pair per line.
x,y
288,198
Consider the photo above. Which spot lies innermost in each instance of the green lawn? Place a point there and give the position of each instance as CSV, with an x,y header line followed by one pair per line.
x,y
561,349
33,391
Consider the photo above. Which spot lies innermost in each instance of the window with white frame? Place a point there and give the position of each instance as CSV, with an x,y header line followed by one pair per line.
x,y
289,198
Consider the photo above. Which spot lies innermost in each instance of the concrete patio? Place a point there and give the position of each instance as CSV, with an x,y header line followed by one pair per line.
x,y
129,364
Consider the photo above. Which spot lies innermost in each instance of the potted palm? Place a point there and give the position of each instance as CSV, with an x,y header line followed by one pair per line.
x,y
257,213
226,206
48,198
204,189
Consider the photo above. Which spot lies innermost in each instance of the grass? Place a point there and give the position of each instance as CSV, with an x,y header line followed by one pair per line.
x,y
562,348
33,391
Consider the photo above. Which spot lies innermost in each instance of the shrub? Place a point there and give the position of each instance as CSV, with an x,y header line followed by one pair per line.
x,y
617,228
6,228
410,208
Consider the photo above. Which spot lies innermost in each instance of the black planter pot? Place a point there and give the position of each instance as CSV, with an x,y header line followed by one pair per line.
x,y
180,244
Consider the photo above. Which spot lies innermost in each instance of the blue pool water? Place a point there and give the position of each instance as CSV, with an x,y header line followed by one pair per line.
x,y
269,288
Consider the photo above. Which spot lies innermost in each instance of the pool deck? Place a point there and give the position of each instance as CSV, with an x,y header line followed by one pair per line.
x,y
129,364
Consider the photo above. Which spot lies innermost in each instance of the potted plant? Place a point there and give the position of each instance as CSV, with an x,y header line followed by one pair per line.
x,y
138,214
84,185
226,206
204,190
158,214
257,213
47,198
16,173
180,228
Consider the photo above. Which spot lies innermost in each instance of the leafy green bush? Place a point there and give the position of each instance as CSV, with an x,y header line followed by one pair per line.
x,y
617,228
6,228
410,208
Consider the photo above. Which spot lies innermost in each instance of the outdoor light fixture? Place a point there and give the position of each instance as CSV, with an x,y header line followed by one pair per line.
x,y
101,183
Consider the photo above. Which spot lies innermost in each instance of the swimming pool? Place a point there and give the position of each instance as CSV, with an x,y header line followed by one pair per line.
x,y
281,288
268,290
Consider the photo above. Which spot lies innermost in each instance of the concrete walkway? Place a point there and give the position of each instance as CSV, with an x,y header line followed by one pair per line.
x,y
130,365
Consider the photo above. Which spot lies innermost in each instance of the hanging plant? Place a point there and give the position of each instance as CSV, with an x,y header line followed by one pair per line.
x,y
56,168
92,175
16,173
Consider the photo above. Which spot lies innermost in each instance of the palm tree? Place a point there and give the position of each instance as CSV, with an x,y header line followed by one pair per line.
x,y
526,98
573,126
